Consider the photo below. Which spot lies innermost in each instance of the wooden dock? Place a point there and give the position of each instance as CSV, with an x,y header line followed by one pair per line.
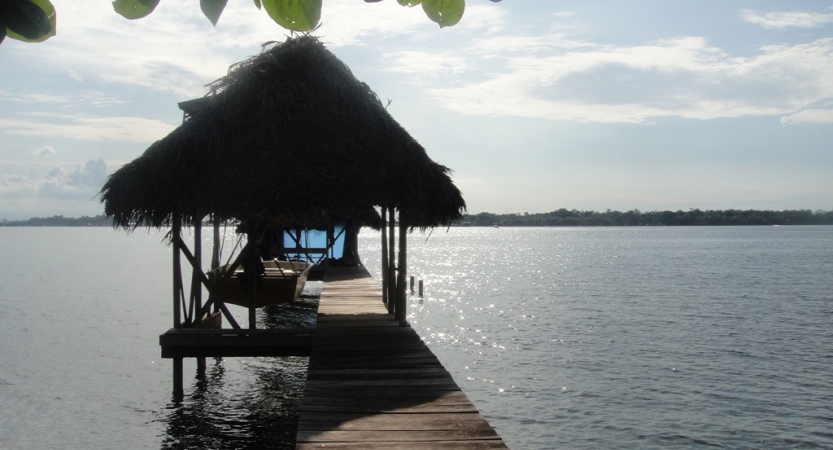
x,y
373,384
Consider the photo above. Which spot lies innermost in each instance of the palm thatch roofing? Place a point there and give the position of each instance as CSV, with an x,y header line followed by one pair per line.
x,y
291,134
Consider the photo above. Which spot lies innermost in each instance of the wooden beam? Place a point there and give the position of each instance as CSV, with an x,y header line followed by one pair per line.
x,y
179,392
226,277
219,305
392,260
215,248
203,342
176,228
253,256
401,299
385,274
196,285
196,272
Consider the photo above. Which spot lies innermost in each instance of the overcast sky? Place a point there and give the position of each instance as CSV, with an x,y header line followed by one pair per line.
x,y
535,104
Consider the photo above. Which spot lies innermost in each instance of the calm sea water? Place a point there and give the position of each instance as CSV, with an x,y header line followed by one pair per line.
x,y
563,337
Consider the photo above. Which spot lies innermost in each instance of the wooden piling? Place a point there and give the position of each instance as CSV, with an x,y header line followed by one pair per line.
x,y
176,229
385,273
179,390
401,298
392,261
196,285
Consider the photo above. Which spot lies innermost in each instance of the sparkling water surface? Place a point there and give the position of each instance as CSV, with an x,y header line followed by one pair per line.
x,y
563,337
635,337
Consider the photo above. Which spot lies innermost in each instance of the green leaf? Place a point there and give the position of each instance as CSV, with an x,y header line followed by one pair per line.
x,y
409,2
295,15
29,20
213,9
134,9
445,12
257,3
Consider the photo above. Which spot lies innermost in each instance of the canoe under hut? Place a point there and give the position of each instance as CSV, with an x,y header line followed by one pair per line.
x,y
287,140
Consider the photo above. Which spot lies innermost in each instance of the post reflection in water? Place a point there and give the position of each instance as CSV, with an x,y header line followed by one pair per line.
x,y
246,403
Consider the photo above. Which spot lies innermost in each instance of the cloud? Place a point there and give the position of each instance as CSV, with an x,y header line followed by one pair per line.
x,y
428,65
586,82
34,98
92,98
341,25
43,152
122,129
781,20
82,182
353,23
808,116
15,186
63,190
482,66
176,49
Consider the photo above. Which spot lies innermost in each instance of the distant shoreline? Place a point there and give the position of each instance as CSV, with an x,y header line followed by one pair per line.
x,y
635,217
558,218
60,221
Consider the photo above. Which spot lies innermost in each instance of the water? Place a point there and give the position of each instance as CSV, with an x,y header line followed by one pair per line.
x,y
81,310
635,337
564,338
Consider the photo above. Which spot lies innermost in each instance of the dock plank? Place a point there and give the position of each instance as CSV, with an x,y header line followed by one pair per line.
x,y
408,445
373,384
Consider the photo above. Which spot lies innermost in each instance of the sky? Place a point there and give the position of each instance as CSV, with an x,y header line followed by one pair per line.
x,y
535,105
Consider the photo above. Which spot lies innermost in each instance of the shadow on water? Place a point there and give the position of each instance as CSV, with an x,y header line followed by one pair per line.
x,y
299,314
247,403
219,413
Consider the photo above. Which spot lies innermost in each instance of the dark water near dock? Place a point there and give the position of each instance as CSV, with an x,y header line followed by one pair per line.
x,y
81,310
564,338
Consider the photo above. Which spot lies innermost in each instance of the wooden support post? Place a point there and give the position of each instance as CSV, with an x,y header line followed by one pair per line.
x,y
420,288
176,229
385,274
215,251
179,390
392,260
401,305
411,284
196,271
253,253
196,284
331,238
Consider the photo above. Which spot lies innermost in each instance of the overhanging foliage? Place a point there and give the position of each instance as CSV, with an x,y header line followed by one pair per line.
x,y
35,20
27,20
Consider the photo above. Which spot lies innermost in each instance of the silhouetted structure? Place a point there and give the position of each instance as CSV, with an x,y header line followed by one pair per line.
x,y
288,139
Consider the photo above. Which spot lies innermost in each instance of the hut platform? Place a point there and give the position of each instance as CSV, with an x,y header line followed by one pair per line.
x,y
373,384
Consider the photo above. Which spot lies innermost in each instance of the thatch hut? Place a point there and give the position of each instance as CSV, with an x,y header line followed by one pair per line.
x,y
289,136
288,133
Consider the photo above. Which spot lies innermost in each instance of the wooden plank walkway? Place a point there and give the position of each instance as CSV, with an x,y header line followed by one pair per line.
x,y
375,385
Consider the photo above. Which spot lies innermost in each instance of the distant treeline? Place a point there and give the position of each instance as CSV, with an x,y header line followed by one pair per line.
x,y
559,218
60,221
635,217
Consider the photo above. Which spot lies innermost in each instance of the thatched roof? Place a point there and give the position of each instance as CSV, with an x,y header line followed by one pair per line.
x,y
289,133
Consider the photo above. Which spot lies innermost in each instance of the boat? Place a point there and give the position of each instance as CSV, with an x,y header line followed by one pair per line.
x,y
282,282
